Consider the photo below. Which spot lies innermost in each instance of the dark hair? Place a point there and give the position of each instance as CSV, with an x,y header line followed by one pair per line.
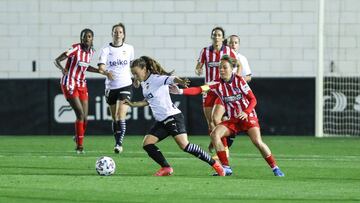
x,y
218,28
83,33
229,59
150,64
119,25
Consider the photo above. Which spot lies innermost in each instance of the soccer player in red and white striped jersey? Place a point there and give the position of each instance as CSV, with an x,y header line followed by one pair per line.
x,y
210,57
239,102
73,83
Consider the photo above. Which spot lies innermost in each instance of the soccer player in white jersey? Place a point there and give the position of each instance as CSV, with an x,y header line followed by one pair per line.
x,y
240,102
73,83
234,43
115,58
155,83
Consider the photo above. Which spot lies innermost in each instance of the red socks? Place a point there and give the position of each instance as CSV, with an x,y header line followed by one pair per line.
x,y
224,141
271,161
79,130
223,158
84,126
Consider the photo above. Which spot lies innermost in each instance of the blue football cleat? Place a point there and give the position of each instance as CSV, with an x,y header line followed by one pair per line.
x,y
227,169
278,172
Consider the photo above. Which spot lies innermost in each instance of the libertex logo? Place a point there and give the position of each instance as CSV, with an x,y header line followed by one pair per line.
x,y
63,112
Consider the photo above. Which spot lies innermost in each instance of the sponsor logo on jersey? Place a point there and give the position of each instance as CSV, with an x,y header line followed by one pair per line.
x,y
232,98
83,64
246,88
213,64
118,62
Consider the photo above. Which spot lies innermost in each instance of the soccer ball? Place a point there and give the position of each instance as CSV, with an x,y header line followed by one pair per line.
x,y
105,166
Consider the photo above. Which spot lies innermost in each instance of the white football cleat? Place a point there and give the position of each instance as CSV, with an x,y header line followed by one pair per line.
x,y
118,149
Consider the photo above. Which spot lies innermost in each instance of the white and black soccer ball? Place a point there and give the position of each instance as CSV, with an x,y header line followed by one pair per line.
x,y
105,166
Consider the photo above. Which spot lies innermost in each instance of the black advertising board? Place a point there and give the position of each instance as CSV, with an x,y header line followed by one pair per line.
x,y
37,107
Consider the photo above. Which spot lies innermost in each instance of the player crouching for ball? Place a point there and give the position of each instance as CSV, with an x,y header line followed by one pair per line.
x,y
155,83
239,101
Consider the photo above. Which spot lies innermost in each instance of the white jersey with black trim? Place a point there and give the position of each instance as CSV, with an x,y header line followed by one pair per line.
x,y
117,61
245,65
156,92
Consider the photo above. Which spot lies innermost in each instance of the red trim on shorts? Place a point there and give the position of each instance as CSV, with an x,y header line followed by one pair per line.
x,y
209,99
236,125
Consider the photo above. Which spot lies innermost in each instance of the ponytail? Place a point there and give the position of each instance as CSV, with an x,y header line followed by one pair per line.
x,y
151,65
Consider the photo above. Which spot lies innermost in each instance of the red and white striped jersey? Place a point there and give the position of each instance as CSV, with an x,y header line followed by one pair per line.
x,y
77,63
211,58
236,96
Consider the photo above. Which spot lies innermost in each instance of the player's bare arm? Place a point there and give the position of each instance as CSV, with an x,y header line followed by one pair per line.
x,y
183,82
102,70
137,103
199,69
58,61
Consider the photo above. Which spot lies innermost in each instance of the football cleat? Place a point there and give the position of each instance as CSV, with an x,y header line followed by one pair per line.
x,y
219,169
278,172
118,149
227,170
164,171
79,149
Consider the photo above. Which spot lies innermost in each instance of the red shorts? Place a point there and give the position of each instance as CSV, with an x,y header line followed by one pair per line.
x,y
209,99
81,92
236,125
218,101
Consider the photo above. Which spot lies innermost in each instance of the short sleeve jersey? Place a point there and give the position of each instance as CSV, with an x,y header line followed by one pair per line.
x,y
117,61
245,65
211,58
77,63
233,95
156,92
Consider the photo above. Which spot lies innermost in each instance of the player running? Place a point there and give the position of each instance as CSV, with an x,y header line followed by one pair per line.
x,y
155,83
239,102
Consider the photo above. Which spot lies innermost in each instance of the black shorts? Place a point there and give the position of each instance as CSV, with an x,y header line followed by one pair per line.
x,y
172,125
118,94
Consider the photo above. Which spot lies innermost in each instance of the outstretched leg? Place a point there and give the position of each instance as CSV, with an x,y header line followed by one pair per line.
x,y
196,150
255,136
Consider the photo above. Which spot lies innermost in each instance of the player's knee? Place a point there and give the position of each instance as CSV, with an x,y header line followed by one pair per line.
x,y
215,135
258,143
80,116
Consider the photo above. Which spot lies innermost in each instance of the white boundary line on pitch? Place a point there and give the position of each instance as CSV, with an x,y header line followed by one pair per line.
x,y
243,156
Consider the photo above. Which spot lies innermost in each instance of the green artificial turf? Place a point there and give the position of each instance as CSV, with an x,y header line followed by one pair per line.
x,y
47,169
